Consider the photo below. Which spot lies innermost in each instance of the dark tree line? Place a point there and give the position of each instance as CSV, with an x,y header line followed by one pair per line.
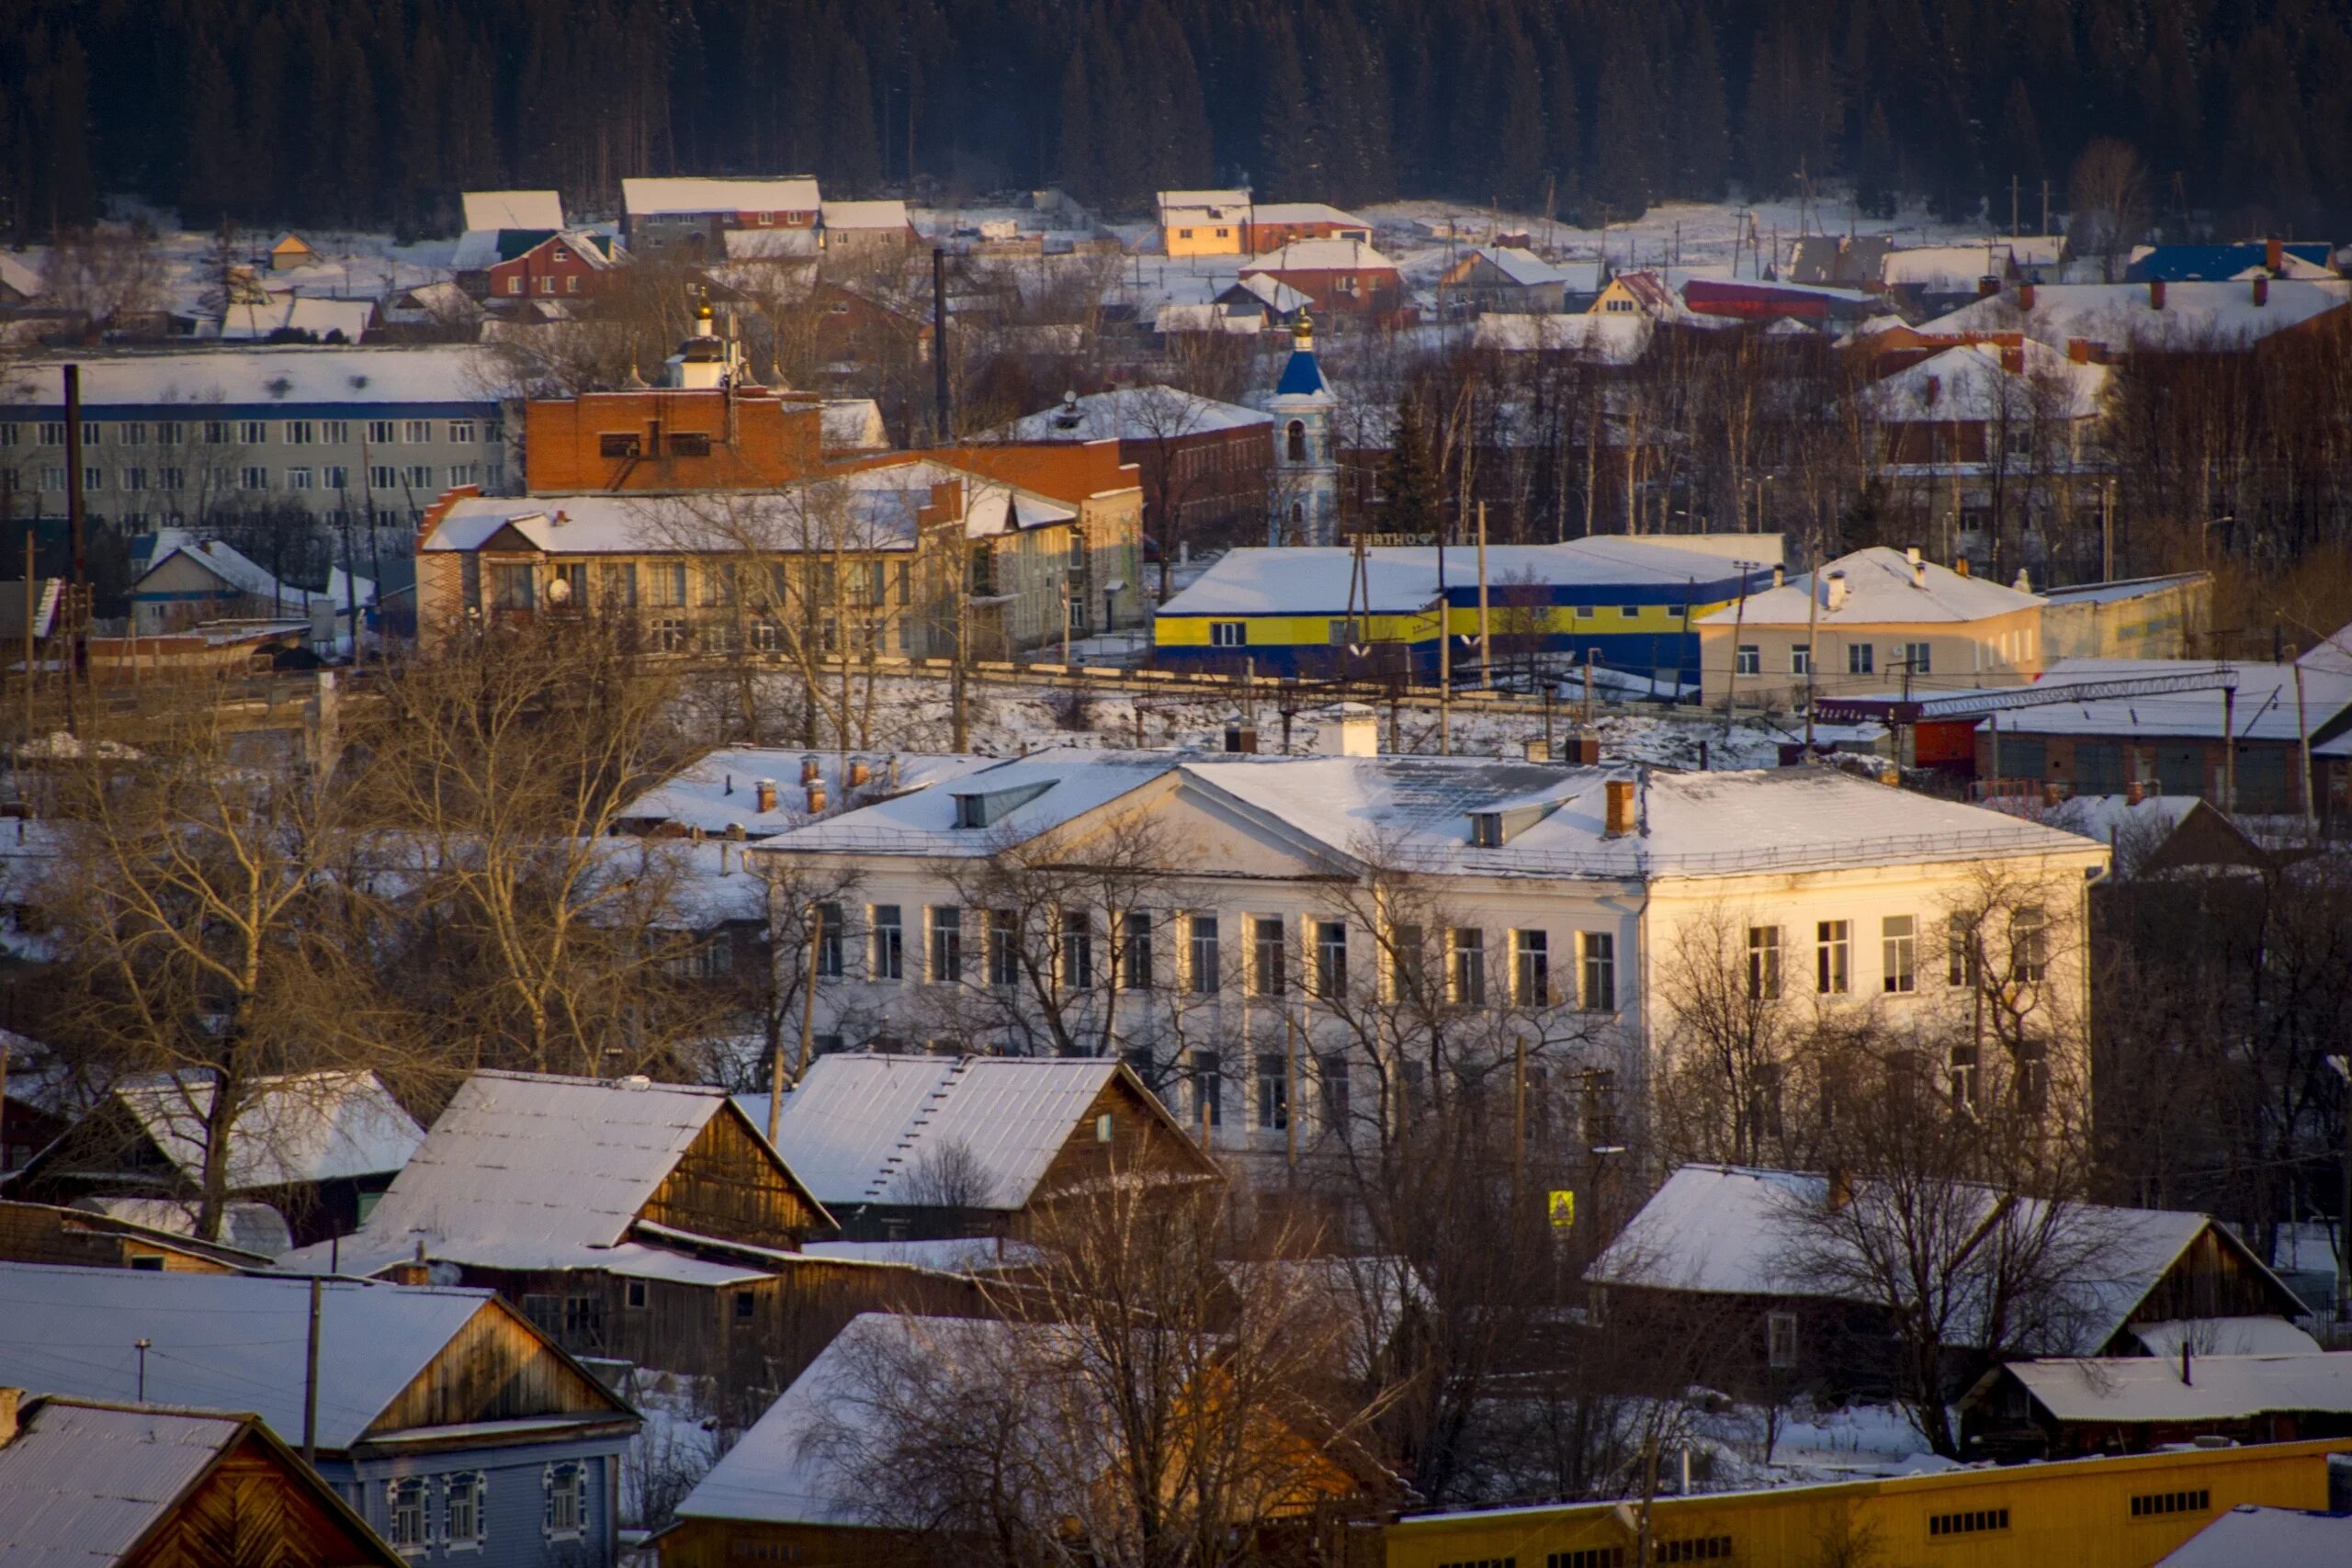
x,y
379,111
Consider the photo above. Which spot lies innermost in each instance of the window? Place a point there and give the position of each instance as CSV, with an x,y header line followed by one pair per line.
x,y
1781,1340
1917,658
621,444
1135,950
465,474
170,433
1833,948
515,283
1078,953
1750,659
1295,441
616,585
334,476
1965,1073
53,433
461,1518
298,431
1004,949
512,587
334,432
1764,1099
1764,964
1530,968
1975,1521
1693,1549
404,1512
416,432
253,432
1330,960
2032,1083
384,432
132,432
829,941
1800,659
417,475
494,430
567,1513
217,431
1586,1557
1331,1084
665,584
1858,658
96,477
1960,951
887,938
1228,634
690,443
1274,1092
171,479
1600,954
635,1300
946,944
298,479
1206,1082
253,479
1201,956
1899,936
1465,962
1408,964
2163,1505
1269,961
461,430
134,479
52,477
2019,443
747,1306
383,476
2030,944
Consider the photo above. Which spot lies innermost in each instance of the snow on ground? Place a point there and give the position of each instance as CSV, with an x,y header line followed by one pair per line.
x,y
1847,1443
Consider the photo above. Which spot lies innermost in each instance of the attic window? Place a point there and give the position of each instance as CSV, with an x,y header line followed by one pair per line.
x,y
1493,830
986,809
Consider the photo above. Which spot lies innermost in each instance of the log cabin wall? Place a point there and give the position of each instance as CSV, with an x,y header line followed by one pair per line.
x,y
2214,1277
728,1185
493,1369
248,1512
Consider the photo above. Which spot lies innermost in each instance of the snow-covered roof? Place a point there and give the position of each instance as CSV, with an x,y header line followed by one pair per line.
x,y
528,1171
689,196
1611,339
1320,255
799,1464
1971,383
719,791
2265,707
887,215
2123,315
860,1126
226,1341
2224,1336
2272,1538
513,209
1257,580
1271,292
1303,212
1203,319
1133,413
874,515
1734,1230
300,314
1418,809
1883,587
81,1485
279,381
771,244
298,1127
854,425
224,561
1948,269
16,275
255,1228
2220,1388
1186,205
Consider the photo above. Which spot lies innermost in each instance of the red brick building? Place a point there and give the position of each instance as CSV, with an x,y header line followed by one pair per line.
x,y
1206,466
1273,224
671,439
1342,277
692,216
568,266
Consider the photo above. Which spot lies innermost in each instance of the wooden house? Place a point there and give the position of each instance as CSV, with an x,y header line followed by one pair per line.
x,y
95,1484
317,1148
1710,1266
630,1219
290,251
41,1232
917,1148
2069,1407
443,1417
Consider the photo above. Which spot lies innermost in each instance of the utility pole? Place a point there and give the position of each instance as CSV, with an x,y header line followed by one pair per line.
x,y
2106,531
1486,648
32,606
939,344
142,1344
310,1382
2229,751
78,605
1812,652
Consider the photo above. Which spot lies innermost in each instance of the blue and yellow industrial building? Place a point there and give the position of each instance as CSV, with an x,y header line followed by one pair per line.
x,y
2128,1512
1627,604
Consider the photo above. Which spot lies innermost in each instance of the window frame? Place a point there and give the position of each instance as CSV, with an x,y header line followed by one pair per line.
x,y
1763,964
1597,971
1899,955
1833,958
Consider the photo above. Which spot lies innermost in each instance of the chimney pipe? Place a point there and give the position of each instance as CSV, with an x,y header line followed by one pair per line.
x,y
10,1398
2187,1381
1779,576
2273,254
763,794
2051,793
1620,807
1918,574
816,798
1959,565
858,773
2134,793
1987,285
810,769
2261,289
2025,296
2156,294
2078,349
1240,736
1841,1189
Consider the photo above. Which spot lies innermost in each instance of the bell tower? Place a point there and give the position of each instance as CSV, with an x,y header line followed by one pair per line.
x,y
1304,507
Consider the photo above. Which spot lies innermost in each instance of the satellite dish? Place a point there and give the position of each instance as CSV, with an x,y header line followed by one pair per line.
x,y
558,590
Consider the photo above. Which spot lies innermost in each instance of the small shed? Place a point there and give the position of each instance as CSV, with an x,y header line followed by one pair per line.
x,y
2076,1405
292,251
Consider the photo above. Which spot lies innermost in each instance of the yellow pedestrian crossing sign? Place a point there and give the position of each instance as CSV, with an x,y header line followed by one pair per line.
x,y
1563,1210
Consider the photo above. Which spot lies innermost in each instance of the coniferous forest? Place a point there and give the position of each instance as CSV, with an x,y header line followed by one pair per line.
x,y
379,111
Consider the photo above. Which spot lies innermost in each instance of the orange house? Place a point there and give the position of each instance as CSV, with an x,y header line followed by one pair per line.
x,y
672,439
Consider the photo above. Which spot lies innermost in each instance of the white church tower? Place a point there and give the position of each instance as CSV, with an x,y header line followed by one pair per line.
x,y
1305,508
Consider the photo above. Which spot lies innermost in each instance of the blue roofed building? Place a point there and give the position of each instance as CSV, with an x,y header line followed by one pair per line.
x,y
2219,264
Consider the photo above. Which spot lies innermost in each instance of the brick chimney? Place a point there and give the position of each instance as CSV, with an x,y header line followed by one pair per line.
x,y
1840,1190
2013,361
1620,807
2262,288
2156,294
858,773
1959,565
763,793
2078,349
817,797
2273,254
11,1400
2134,793
1987,285
811,770
2025,296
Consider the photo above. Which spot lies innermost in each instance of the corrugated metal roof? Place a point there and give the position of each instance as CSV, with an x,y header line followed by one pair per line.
x,y
299,1127
2274,1538
858,1124
81,1483
224,1341
2221,1388
530,1171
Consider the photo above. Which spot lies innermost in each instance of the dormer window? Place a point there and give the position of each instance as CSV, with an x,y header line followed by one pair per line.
x,y
986,808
